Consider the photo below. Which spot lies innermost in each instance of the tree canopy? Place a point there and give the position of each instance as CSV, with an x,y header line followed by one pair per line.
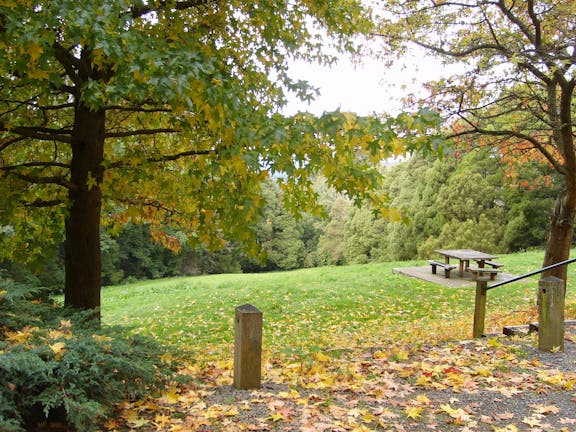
x,y
514,86
168,112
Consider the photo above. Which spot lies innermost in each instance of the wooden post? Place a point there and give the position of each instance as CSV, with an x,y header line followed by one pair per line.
x,y
480,307
551,314
248,347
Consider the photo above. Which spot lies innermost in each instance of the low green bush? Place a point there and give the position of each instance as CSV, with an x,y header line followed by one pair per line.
x,y
59,365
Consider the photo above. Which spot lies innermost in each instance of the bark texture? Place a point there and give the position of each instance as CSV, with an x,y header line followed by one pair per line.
x,y
83,259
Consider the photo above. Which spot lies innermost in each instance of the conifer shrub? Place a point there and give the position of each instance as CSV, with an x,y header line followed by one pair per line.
x,y
57,365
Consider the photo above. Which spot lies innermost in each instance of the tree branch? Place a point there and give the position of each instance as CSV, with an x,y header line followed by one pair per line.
x,y
39,203
140,132
35,165
59,181
510,134
138,12
166,158
40,133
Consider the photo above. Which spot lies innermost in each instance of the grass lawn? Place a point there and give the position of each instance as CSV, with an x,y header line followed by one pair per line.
x,y
328,308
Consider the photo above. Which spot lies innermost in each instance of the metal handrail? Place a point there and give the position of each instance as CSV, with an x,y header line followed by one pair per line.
x,y
532,273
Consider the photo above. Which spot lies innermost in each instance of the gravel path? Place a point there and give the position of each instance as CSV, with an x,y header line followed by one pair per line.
x,y
498,384
502,384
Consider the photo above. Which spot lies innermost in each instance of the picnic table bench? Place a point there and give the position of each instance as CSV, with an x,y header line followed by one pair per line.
x,y
447,267
480,272
493,264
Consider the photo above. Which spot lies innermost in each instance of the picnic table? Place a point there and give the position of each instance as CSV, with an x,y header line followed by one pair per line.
x,y
464,256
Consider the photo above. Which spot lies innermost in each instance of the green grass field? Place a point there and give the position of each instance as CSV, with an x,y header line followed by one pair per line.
x,y
329,308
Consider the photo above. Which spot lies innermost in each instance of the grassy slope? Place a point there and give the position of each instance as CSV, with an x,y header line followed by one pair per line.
x,y
321,308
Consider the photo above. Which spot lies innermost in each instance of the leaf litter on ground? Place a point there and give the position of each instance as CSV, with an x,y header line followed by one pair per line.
x,y
491,384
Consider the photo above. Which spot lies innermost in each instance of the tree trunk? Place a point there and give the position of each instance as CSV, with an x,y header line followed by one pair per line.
x,y
561,234
562,223
83,261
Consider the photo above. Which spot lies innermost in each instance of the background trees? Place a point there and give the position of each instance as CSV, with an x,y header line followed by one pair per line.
x,y
514,86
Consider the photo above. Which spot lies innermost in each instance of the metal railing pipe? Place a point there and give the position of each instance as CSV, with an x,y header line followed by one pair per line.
x,y
533,273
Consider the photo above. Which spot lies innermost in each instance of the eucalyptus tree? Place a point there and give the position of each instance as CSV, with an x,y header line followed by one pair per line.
x,y
514,84
168,112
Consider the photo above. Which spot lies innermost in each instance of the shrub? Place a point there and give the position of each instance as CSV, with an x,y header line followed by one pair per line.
x,y
59,365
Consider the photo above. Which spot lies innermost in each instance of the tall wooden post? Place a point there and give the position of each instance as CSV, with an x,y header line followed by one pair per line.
x,y
551,314
248,347
480,307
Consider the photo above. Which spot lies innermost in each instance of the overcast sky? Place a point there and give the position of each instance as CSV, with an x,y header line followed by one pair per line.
x,y
366,88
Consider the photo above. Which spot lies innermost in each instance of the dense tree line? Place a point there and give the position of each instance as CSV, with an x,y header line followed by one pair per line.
x,y
463,200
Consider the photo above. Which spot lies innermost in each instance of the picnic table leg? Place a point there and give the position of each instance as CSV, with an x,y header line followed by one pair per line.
x,y
461,268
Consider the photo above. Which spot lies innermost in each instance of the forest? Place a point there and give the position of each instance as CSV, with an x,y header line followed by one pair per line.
x,y
462,200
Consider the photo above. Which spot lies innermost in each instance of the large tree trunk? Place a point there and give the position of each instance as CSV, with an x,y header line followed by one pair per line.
x,y
83,259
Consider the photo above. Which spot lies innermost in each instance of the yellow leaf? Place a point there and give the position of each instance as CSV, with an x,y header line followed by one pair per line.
x,y
21,336
38,74
138,422
414,412
423,399
292,394
494,342
162,420
171,396
380,355
91,181
276,417
166,357
58,348
401,355
350,121
321,357
101,338
34,50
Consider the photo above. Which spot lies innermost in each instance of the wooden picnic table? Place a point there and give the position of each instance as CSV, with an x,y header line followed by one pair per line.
x,y
464,256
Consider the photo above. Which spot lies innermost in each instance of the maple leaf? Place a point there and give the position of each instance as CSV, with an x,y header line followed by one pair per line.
x,y
532,421
58,348
166,357
507,428
38,74
162,420
545,409
423,399
458,414
132,419
34,51
320,357
569,421
171,396
414,412
91,181
276,417
101,338
21,336
503,416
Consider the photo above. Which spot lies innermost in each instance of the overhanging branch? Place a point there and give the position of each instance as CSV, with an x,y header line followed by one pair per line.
x,y
475,130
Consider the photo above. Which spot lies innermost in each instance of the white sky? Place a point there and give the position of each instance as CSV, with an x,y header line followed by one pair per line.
x,y
366,88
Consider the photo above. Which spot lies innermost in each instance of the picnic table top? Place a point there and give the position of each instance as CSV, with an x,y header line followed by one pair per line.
x,y
465,254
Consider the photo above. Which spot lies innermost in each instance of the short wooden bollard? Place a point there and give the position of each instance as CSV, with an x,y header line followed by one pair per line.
x,y
248,348
551,314
480,307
